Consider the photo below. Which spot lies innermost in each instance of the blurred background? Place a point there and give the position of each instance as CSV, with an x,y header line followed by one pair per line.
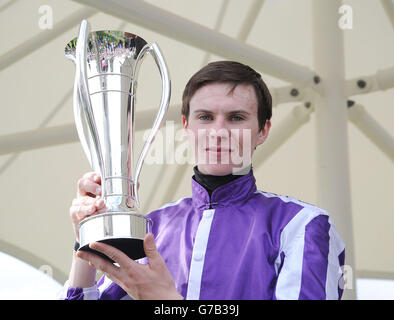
x,y
348,44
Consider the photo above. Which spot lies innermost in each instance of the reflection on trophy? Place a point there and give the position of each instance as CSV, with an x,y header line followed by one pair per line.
x,y
107,64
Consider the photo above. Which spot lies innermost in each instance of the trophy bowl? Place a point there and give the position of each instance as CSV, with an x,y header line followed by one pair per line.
x,y
104,99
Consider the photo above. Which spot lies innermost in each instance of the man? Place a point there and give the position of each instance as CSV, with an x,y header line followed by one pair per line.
x,y
228,240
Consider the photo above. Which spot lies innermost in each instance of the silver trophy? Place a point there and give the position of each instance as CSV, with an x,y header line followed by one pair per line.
x,y
107,64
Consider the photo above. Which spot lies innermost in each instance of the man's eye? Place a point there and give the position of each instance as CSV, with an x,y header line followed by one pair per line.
x,y
204,117
237,118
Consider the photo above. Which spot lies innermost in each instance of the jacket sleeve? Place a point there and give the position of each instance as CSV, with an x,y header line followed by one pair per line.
x,y
310,261
104,289
70,293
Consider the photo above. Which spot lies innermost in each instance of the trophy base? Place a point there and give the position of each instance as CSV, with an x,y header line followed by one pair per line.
x,y
122,230
133,248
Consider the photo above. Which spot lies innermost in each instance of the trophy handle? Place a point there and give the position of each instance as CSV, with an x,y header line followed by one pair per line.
x,y
161,115
79,125
83,96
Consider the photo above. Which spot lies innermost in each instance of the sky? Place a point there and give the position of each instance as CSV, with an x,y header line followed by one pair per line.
x,y
21,281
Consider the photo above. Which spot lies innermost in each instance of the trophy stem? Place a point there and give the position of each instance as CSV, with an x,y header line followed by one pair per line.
x,y
119,194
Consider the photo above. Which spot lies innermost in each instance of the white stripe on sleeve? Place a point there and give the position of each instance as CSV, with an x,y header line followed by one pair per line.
x,y
334,272
292,241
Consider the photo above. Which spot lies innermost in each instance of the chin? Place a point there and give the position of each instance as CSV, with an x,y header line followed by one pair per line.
x,y
217,169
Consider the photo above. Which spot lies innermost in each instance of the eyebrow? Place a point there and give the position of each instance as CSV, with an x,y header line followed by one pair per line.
x,y
240,112
231,112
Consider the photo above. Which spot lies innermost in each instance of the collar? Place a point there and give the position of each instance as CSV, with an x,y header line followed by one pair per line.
x,y
231,193
211,182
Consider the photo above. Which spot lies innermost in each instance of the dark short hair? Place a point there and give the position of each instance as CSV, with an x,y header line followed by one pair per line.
x,y
235,73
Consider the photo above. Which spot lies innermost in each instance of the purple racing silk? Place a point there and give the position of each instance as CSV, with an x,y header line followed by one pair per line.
x,y
241,244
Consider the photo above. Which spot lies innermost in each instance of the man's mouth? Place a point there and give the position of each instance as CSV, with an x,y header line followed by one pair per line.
x,y
218,150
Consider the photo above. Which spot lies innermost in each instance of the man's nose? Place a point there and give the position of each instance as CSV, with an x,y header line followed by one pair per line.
x,y
219,129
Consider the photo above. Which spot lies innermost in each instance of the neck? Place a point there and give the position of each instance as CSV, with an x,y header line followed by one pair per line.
x,y
211,182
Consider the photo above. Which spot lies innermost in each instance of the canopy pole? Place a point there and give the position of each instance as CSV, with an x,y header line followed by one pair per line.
x,y
294,120
388,7
380,81
188,32
43,38
41,137
331,130
52,136
372,130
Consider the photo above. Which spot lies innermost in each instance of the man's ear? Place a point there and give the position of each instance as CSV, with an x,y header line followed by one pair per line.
x,y
263,134
184,122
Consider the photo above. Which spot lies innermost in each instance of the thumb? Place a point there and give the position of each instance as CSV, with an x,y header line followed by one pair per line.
x,y
150,248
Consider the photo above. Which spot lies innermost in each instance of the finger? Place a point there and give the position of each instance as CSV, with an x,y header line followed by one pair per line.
x,y
86,187
94,176
88,201
150,250
83,201
112,271
97,178
80,212
99,203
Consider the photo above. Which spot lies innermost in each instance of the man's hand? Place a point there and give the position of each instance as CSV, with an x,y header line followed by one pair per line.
x,y
150,281
87,202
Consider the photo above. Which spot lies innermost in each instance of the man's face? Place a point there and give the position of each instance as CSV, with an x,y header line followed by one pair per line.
x,y
223,127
